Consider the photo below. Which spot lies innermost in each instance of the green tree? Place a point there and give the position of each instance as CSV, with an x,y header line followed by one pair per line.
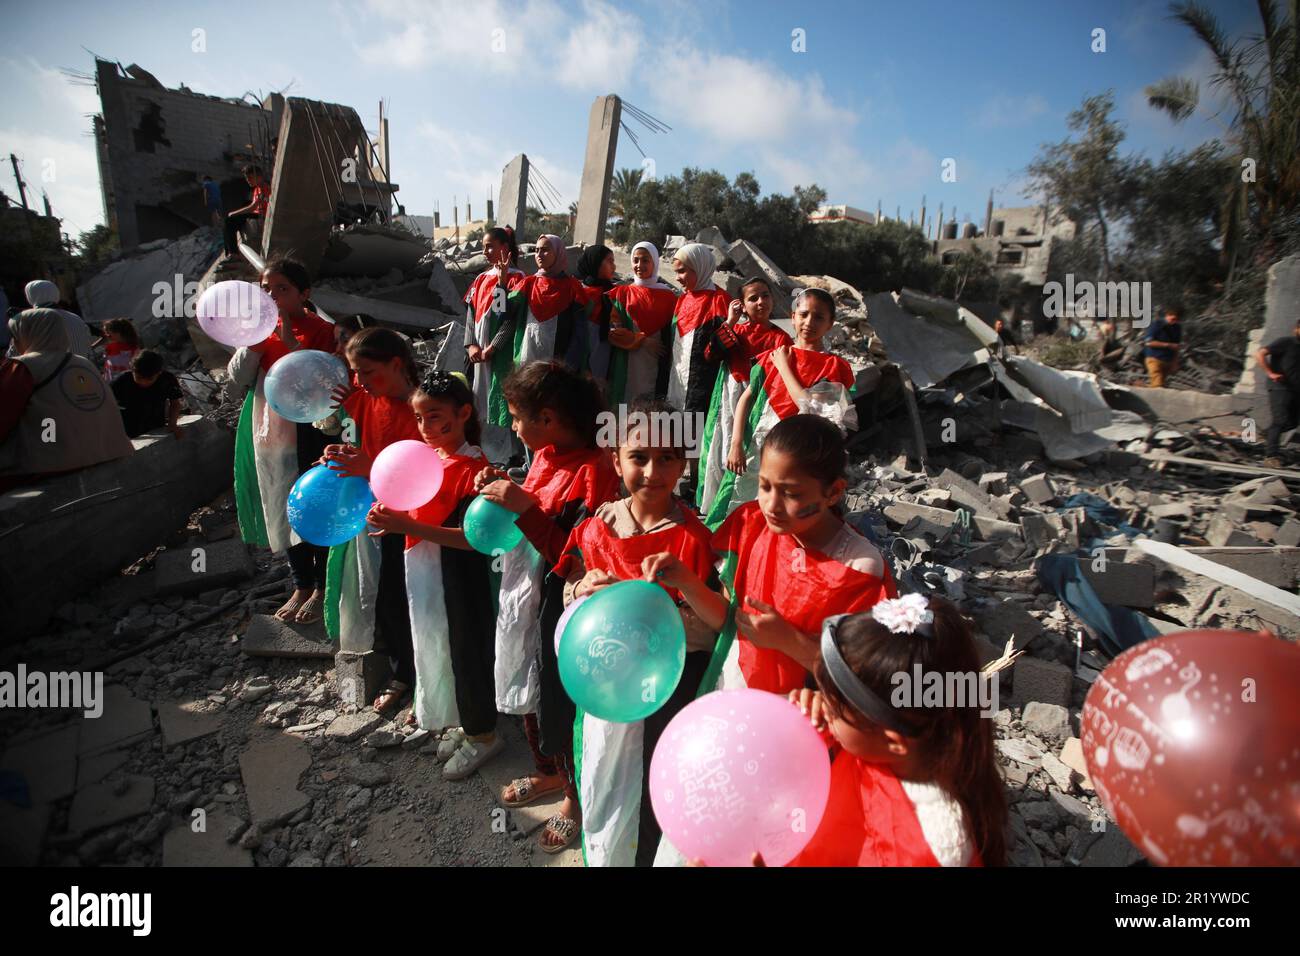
x,y
1084,178
1261,77
622,198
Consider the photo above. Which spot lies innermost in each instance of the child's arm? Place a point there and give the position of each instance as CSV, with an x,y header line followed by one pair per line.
x,y
387,521
736,459
538,527
667,569
781,360
769,629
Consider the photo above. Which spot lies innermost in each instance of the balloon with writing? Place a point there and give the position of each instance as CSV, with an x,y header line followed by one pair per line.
x,y
299,386
406,474
563,622
327,509
236,313
738,772
622,653
1192,740
490,528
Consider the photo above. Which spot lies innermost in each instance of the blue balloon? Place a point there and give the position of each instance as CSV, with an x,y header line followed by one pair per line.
x,y
327,509
299,385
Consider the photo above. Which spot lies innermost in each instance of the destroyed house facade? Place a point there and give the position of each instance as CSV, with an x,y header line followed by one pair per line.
x,y
1017,240
155,145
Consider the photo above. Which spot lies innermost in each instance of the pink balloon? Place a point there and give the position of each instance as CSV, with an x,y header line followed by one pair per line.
x,y
736,772
564,620
406,475
236,313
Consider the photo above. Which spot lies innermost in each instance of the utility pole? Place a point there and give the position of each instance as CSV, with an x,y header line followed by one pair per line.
x,y
46,199
22,186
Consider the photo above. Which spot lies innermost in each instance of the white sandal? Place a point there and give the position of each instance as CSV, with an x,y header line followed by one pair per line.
x,y
562,827
450,743
470,756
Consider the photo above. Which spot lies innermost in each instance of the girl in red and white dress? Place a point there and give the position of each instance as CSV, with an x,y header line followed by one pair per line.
x,y
910,785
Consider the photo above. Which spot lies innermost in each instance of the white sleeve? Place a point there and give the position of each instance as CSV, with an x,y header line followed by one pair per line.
x,y
830,400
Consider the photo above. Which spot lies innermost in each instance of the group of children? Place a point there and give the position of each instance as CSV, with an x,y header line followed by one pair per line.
x,y
775,589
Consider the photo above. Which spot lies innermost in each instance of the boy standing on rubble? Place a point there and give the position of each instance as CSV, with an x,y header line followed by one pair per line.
x,y
256,209
1280,361
1164,344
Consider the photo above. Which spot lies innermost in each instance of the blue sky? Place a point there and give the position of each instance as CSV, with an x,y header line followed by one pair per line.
x,y
883,94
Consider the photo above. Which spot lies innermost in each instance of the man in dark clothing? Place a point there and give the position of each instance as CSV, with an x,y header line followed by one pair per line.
x,y
1280,360
212,200
1164,343
148,395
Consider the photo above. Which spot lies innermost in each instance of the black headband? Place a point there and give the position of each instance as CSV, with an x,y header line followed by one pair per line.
x,y
850,685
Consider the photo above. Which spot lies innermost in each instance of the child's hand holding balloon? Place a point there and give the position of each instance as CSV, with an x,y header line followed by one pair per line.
x,y
811,705
593,581
387,521
508,495
667,569
487,476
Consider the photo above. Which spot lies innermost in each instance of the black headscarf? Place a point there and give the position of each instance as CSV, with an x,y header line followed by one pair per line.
x,y
589,267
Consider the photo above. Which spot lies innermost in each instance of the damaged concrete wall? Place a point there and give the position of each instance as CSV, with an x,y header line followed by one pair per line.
x,y
156,144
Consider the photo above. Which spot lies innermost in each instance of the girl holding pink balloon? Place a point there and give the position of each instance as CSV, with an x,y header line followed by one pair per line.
x,y
454,684
910,786
271,451
613,758
386,371
554,411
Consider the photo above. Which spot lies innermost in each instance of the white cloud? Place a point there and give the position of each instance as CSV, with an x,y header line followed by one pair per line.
x,y
602,52
71,170
470,165
1005,110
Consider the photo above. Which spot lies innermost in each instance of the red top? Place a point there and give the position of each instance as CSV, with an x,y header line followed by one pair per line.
x,y
752,340
696,308
261,196
804,588
311,331
458,473
869,821
381,421
482,289
603,550
649,307
556,480
809,368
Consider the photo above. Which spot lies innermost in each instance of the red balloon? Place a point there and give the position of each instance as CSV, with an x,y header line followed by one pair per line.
x,y
1193,743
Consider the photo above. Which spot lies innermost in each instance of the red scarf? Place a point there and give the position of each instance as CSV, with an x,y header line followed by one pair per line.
x,y
381,421
483,289
869,821
548,297
585,474
458,473
651,307
809,368
752,340
696,308
602,550
804,588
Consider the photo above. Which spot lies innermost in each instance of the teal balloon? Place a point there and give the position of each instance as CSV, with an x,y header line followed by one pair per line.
x,y
327,509
622,654
490,528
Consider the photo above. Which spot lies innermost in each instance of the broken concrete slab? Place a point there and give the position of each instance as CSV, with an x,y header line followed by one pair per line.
x,y
349,727
1222,533
1072,757
48,763
1019,751
411,317
1039,489
183,721
96,767
183,847
202,566
986,529
271,768
965,493
1002,620
1045,720
1061,775
1187,561
1112,849
1033,679
1288,536
597,170
125,721
268,636
512,198
103,804
1121,583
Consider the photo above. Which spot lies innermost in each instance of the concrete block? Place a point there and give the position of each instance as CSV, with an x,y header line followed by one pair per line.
x,y
268,636
1129,585
512,199
349,727
597,170
103,804
994,483
1005,619
1222,533
361,675
965,493
1288,536
270,769
191,569
1061,775
938,520
1038,489
1039,680
1244,510
1045,720
1072,757
753,263
1045,531
124,721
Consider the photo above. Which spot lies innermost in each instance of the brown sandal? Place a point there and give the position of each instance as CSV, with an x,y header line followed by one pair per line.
x,y
526,792
392,698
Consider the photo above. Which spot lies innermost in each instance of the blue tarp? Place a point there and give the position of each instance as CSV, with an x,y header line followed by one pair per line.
x,y
1119,628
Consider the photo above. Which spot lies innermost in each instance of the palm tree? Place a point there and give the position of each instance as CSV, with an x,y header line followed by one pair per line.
x,y
622,195
1261,75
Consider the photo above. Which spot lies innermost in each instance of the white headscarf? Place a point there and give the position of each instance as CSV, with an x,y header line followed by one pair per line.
x,y
40,340
654,281
561,257
700,258
41,292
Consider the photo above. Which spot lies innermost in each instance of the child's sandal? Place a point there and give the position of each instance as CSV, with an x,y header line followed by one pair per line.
x,y
562,827
526,792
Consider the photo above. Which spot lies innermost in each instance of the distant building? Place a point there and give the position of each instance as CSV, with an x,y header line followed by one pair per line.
x,y
155,145
1018,240
841,214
